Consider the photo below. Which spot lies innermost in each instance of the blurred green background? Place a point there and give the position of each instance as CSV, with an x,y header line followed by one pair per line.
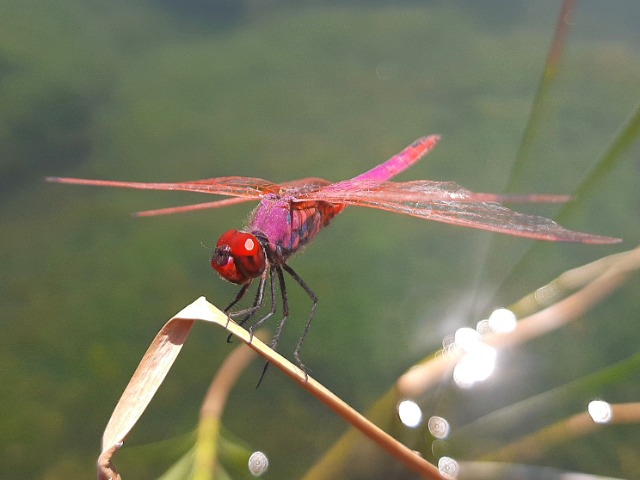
x,y
163,90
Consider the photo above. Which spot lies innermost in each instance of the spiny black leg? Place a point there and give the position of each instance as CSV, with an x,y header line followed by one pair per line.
x,y
262,320
264,371
253,327
285,315
257,304
314,299
247,312
285,310
239,297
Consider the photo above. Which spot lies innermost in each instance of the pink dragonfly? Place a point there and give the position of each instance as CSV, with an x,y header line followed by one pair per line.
x,y
291,214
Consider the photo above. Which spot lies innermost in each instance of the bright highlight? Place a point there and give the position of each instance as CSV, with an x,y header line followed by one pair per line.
x,y
600,411
475,366
467,339
410,413
502,320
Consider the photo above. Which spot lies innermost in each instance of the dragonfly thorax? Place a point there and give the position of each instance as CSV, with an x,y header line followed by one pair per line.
x,y
239,257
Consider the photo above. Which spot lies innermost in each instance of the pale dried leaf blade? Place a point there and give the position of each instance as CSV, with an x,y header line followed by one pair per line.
x,y
153,368
160,356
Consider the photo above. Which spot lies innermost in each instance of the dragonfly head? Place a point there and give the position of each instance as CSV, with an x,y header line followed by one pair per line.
x,y
238,257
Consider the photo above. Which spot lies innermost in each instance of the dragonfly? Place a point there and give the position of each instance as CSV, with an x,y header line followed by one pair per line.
x,y
290,214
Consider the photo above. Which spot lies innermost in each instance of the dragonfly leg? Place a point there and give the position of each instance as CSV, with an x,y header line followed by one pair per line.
x,y
239,297
285,310
314,299
259,323
247,312
285,316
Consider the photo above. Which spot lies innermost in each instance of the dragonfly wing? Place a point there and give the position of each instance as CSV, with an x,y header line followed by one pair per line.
x,y
246,189
302,185
401,161
421,191
447,202
193,207
231,186
493,217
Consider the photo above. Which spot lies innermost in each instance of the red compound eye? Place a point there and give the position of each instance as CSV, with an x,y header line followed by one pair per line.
x,y
238,257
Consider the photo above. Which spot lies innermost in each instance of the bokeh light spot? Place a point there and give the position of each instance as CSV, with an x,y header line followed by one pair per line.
x,y
410,413
258,463
600,411
448,467
438,427
475,366
467,339
502,320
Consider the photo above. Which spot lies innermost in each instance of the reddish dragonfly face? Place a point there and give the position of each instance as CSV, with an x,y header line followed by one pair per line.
x,y
239,257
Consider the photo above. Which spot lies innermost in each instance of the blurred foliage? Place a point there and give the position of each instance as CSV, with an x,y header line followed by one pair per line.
x,y
132,90
58,129
223,13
